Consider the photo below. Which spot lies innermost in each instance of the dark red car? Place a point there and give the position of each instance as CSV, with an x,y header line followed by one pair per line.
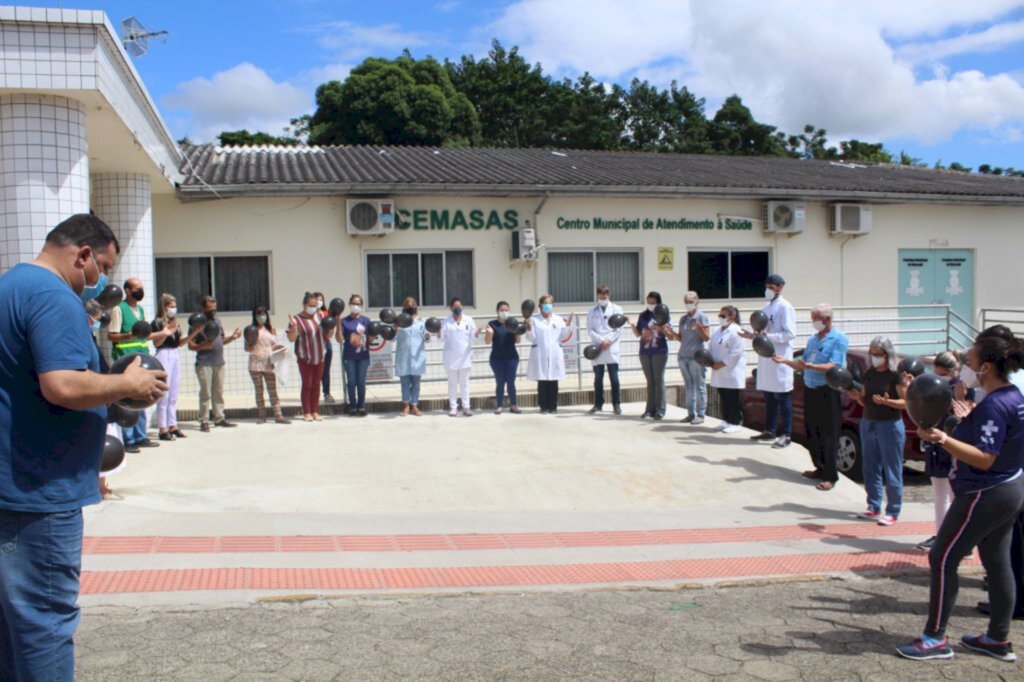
x,y
849,440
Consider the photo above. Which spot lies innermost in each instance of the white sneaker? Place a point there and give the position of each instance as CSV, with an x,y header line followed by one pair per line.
x,y
732,428
721,427
452,412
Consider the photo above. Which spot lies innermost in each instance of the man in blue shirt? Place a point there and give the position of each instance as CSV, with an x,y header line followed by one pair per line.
x,y
823,408
53,419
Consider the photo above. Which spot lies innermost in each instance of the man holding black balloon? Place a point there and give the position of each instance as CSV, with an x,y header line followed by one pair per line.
x,y
53,420
210,369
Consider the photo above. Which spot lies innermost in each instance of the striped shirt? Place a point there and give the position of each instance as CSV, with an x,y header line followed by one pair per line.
x,y
309,344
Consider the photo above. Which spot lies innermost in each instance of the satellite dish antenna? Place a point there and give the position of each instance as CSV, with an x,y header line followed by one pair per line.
x,y
135,37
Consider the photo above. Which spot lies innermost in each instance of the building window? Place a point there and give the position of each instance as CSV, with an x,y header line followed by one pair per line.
x,y
432,278
240,283
573,276
728,275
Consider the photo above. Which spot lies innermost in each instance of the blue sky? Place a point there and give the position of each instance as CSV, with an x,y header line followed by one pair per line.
x,y
940,79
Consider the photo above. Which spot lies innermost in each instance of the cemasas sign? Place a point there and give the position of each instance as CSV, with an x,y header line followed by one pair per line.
x,y
456,219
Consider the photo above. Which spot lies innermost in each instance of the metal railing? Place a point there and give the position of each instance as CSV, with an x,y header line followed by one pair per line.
x,y
1011,317
919,330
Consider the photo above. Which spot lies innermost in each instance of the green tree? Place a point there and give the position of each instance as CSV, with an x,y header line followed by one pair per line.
x,y
734,131
957,166
400,101
587,115
243,138
856,150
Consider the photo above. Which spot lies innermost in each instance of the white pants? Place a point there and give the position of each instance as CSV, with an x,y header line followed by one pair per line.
x,y
943,498
458,386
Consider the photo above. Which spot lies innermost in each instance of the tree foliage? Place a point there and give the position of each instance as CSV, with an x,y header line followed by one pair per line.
x,y
242,138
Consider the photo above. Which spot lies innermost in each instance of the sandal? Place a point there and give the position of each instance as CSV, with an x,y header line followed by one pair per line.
x,y
177,433
825,485
812,473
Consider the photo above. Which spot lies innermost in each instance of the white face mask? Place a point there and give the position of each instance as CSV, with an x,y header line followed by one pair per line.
x,y
818,325
603,302
171,312
724,321
311,309
768,294
651,306
878,361
691,307
356,309
969,377
502,315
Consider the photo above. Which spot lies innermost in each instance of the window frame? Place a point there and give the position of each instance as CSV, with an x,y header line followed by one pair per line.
x,y
212,257
728,251
419,253
638,251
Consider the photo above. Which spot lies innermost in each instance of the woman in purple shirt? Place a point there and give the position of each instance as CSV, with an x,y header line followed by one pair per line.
x,y
356,354
653,356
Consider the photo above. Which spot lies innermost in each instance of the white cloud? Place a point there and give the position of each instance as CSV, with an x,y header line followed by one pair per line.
x,y
826,62
244,96
991,39
351,42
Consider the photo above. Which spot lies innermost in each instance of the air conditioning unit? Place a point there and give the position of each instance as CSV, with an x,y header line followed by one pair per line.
x,y
524,244
369,216
784,217
849,219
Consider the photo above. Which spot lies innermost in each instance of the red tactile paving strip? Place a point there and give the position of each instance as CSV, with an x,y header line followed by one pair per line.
x,y
491,541
111,582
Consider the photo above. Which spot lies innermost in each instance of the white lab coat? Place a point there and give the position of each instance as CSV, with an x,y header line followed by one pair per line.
x,y
458,342
772,377
547,363
727,346
598,330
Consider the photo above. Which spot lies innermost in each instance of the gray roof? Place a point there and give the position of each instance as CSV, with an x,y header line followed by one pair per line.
x,y
396,171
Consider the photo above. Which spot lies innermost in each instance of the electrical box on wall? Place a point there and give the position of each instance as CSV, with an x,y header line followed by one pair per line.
x,y
524,243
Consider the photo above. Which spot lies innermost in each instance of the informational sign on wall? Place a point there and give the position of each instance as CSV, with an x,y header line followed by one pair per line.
x,y
570,352
666,257
382,361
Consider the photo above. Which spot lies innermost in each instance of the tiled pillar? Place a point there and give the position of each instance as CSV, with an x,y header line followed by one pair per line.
x,y
124,201
44,171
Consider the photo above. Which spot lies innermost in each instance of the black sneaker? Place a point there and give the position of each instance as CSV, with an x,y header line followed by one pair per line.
x,y
686,420
926,544
782,442
147,443
225,424
764,435
919,651
1000,650
131,448
595,408
617,409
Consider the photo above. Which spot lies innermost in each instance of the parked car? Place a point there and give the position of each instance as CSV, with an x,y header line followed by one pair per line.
x,y
850,460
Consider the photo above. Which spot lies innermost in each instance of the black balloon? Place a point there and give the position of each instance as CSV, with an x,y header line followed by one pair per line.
x,y
110,296
147,362
389,332
661,313
433,325
211,330
196,320
763,346
124,417
512,325
913,366
522,329
105,318
839,379
113,454
388,316
251,334
758,321
336,307
528,308
591,351
929,398
374,328
142,329
404,320
703,357
328,323
617,320
950,423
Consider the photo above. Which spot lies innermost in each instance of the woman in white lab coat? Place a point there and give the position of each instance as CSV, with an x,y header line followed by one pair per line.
x,y
547,363
457,333
729,371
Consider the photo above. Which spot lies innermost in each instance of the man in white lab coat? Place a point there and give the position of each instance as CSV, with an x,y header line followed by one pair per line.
x,y
775,380
608,340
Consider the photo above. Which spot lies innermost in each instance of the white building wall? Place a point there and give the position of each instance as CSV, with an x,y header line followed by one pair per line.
x,y
123,201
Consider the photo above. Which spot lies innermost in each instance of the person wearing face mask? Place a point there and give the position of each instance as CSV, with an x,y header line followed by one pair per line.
x,y
729,371
823,407
411,358
653,356
775,379
167,354
325,381
96,313
693,333
305,332
882,434
608,340
457,333
261,365
988,495
53,417
547,361
355,354
504,359
210,370
122,318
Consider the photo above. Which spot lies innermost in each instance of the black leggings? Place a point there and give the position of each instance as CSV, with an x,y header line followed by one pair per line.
x,y
984,520
732,408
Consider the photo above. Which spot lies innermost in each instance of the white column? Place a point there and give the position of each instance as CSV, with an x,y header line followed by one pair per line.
x,y
44,171
124,201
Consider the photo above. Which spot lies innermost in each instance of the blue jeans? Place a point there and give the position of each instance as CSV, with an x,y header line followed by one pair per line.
x,y
137,433
613,377
355,382
881,444
505,377
695,387
410,388
40,561
778,405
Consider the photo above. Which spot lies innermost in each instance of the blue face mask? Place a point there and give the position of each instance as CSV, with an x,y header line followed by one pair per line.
x,y
546,308
456,311
91,292
95,326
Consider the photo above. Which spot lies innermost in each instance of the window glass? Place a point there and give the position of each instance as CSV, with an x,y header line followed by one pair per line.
x,y
378,280
749,271
241,282
621,272
187,279
405,269
432,279
571,276
709,273
459,276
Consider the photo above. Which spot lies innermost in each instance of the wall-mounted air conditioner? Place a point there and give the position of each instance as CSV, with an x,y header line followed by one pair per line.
x,y
784,217
849,219
369,216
